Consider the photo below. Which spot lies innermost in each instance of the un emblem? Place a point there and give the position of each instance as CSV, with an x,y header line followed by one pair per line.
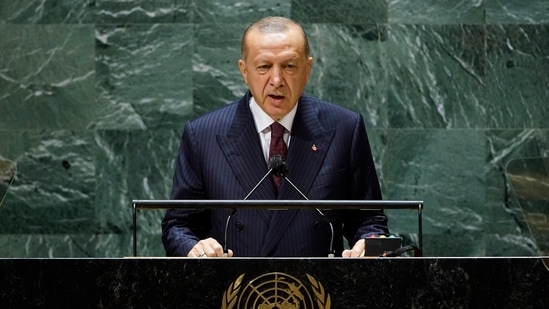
x,y
275,291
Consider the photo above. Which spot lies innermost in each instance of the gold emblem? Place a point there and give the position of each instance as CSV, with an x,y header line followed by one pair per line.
x,y
275,290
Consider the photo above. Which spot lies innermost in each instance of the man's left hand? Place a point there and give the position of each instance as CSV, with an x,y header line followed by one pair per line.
x,y
357,250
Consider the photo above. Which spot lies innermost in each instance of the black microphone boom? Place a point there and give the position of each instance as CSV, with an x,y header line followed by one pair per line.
x,y
280,170
276,164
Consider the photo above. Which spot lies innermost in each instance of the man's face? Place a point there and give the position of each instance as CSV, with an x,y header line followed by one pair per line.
x,y
276,69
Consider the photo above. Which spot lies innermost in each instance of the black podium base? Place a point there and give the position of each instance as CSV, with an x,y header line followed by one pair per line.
x,y
274,283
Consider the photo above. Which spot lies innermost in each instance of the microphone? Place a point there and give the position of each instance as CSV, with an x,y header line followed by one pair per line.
x,y
280,170
276,163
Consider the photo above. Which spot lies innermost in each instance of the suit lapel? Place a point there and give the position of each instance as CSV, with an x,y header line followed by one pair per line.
x,y
242,150
309,143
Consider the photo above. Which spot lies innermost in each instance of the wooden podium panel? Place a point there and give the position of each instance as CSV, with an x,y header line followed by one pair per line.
x,y
275,283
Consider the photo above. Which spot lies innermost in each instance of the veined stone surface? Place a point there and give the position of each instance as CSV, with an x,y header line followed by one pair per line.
x,y
94,95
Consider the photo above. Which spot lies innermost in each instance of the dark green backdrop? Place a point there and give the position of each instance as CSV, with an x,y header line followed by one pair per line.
x,y
94,94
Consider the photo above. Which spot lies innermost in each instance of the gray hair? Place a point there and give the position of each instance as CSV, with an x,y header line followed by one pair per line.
x,y
273,24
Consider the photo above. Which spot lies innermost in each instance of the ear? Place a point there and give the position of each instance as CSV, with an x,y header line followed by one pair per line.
x,y
309,66
243,70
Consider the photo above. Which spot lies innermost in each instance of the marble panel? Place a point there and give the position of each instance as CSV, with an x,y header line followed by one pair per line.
x,y
144,11
88,245
47,75
43,245
48,12
144,76
189,11
505,217
237,11
133,165
441,168
343,11
517,79
148,244
94,94
8,169
348,68
436,76
216,77
529,178
54,189
517,12
378,144
436,12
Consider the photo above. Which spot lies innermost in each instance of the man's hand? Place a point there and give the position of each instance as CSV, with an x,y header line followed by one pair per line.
x,y
208,247
357,251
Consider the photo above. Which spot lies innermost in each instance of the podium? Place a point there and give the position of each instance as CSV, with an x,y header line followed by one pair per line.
x,y
275,283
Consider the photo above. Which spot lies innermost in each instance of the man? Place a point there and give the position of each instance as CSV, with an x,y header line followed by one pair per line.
x,y
224,154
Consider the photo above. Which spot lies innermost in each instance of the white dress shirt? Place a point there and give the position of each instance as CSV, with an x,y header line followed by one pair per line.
x,y
263,125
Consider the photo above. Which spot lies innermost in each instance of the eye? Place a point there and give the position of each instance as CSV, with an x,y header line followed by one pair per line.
x,y
290,68
263,68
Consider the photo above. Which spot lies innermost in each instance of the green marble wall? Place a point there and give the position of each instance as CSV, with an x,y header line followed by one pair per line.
x,y
94,94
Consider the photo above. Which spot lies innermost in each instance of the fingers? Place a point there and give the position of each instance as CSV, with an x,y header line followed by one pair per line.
x,y
208,248
358,250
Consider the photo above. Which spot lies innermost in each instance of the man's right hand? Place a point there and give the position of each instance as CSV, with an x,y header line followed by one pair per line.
x,y
208,247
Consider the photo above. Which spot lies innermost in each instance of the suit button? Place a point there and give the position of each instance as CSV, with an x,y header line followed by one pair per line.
x,y
238,227
317,225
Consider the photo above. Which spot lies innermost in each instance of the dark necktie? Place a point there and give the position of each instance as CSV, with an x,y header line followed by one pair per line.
x,y
277,147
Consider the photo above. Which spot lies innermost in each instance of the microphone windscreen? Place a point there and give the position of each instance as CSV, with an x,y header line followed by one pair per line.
x,y
278,165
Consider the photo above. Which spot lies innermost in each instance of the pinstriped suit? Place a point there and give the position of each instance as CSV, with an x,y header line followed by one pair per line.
x,y
220,157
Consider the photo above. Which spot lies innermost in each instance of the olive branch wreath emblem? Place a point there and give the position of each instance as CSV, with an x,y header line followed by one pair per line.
x,y
230,296
322,298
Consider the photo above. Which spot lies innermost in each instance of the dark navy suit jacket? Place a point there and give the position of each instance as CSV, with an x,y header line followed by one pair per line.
x,y
220,157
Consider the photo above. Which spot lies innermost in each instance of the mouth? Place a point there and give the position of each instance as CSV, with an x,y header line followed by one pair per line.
x,y
276,97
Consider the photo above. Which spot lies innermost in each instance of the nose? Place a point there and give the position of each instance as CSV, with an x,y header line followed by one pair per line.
x,y
276,77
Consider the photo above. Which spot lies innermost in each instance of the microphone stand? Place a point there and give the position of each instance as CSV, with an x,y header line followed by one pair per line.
x,y
275,163
259,183
281,171
225,249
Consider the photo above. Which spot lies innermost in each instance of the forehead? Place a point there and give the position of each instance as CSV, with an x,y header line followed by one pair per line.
x,y
290,40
